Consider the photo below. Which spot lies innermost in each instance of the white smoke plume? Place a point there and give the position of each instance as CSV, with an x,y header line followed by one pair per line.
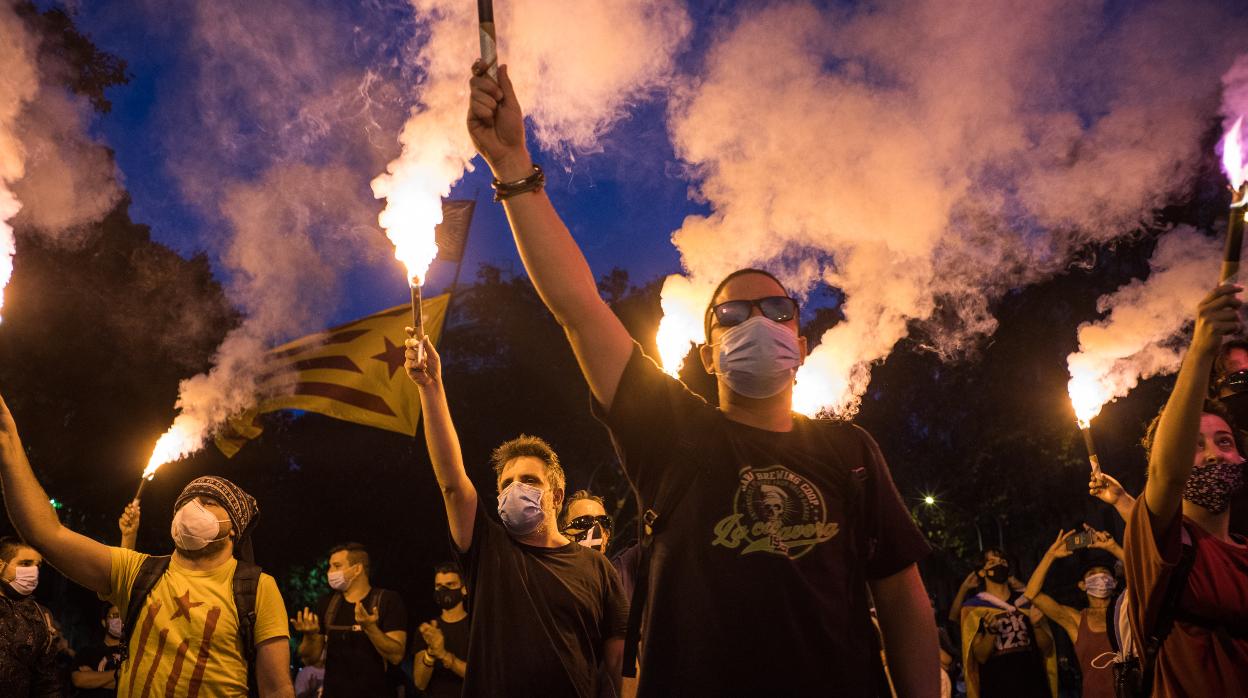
x,y
579,66
1235,92
926,156
47,160
1142,332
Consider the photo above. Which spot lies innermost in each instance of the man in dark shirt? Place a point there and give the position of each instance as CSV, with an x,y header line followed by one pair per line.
x,y
361,629
759,580
97,665
442,647
1005,639
547,612
27,643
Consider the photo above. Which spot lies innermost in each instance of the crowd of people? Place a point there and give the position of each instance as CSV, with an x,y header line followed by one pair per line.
x,y
775,556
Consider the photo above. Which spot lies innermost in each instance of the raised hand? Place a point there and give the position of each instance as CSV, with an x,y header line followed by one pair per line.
x,y
128,523
1059,550
363,617
421,360
496,124
306,621
1105,488
434,639
1216,317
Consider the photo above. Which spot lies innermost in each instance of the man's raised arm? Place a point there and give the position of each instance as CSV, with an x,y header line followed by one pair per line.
x,y
83,560
424,367
551,257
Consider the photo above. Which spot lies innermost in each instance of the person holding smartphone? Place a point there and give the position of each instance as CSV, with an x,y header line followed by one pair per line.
x,y
1087,628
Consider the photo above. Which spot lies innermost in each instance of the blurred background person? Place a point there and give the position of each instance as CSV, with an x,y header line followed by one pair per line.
x,y
440,664
585,521
28,642
97,664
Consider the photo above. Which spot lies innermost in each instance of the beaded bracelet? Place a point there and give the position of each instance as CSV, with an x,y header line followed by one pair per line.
x,y
506,190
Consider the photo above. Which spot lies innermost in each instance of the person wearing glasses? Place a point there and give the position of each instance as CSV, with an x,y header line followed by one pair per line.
x,y
585,520
763,523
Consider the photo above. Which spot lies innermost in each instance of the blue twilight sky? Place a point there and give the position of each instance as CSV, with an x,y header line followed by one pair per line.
x,y
622,203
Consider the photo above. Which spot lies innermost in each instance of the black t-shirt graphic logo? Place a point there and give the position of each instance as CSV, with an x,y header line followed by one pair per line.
x,y
776,511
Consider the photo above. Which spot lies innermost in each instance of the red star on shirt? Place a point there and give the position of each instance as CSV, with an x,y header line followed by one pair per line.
x,y
185,605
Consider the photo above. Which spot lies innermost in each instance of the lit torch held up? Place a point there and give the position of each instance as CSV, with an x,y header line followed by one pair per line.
x,y
1088,396
172,445
1233,163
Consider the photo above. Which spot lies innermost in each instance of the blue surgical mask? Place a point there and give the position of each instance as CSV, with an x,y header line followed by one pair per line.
x,y
759,357
520,508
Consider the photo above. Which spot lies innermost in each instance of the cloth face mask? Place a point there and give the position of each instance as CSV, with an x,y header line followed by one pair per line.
x,y
1212,486
1100,585
520,508
759,357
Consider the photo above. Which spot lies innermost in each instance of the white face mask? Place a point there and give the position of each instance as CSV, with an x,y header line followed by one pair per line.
x,y
114,627
338,580
194,527
759,357
25,580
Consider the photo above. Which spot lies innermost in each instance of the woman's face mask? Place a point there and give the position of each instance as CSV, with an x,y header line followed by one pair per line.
x,y
194,527
25,580
115,626
1100,585
520,508
759,357
1212,486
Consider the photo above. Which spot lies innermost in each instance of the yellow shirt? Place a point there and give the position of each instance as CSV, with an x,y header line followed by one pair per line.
x,y
186,641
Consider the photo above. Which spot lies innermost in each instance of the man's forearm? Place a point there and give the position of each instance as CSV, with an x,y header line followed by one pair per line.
x,y
422,671
911,641
27,503
389,648
442,441
310,647
455,664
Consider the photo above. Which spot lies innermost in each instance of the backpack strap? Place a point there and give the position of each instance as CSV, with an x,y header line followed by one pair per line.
x,y
1175,587
686,465
150,571
246,582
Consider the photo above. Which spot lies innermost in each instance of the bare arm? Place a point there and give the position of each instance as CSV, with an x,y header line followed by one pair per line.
x,y
89,678
458,493
1110,491
910,638
550,254
1170,460
273,669
83,560
128,524
422,672
613,657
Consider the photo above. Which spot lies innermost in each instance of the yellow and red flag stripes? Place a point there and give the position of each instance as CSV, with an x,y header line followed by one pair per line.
x,y
353,372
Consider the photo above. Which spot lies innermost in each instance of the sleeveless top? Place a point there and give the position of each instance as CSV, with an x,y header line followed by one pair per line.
x,y
1097,683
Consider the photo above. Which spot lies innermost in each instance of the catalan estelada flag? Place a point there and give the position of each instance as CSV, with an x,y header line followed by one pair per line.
x,y
353,372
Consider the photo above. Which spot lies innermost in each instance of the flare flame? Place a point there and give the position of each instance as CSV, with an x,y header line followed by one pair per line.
x,y
1233,155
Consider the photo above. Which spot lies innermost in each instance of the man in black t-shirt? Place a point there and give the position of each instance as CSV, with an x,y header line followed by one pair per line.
x,y
547,613
1005,639
759,576
359,629
94,677
442,646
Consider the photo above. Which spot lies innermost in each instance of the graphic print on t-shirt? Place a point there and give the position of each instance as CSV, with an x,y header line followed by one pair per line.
x,y
1010,632
775,510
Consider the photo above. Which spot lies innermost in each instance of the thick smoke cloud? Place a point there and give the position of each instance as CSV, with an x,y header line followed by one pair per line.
x,y
926,156
1141,333
298,104
53,176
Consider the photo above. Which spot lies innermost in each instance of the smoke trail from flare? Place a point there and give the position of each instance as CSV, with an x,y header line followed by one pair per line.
x,y
1141,334
926,183
578,67
17,86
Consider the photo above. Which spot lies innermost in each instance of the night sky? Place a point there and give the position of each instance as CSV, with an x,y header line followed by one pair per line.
x,y
622,203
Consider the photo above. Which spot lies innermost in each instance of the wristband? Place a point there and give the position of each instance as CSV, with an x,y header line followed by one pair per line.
x,y
506,190
428,660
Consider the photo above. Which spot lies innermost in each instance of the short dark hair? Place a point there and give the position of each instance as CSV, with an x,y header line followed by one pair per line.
x,y
1106,568
982,558
449,568
1213,407
357,554
576,496
533,447
9,546
710,305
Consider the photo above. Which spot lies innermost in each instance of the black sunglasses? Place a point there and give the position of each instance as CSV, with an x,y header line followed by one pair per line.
x,y
582,524
774,308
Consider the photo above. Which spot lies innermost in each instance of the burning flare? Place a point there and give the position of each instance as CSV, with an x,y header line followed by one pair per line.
x,y
180,441
1088,394
1233,155
413,209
